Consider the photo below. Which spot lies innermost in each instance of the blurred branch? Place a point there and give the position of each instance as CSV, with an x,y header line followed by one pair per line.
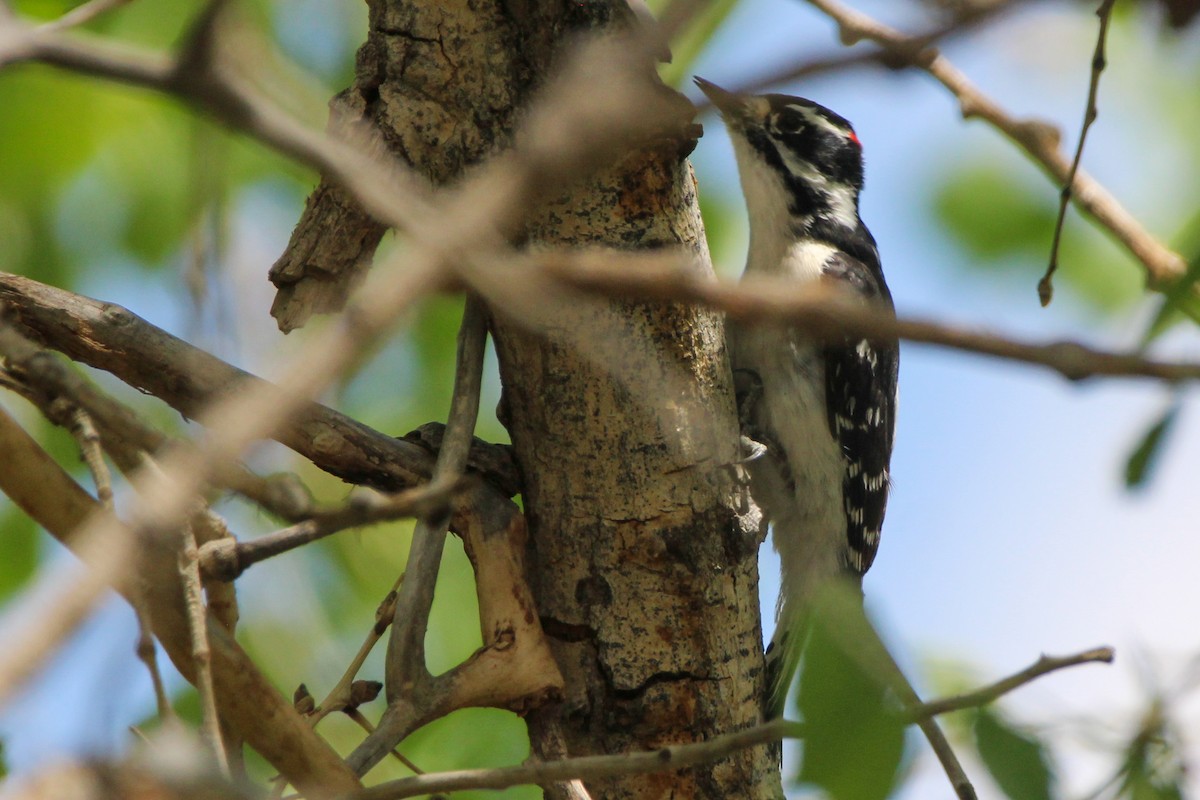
x,y
985,695
109,337
1039,139
64,596
188,564
822,312
53,500
918,47
56,390
82,428
82,14
1046,285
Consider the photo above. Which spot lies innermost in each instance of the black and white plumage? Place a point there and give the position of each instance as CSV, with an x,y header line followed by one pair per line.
x,y
824,411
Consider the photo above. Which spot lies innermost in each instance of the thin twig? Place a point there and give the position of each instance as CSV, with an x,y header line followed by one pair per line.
x,y
1038,139
227,559
365,724
938,742
146,653
1091,111
822,312
844,619
544,773
406,648
189,574
405,668
917,47
88,438
683,755
985,695
338,698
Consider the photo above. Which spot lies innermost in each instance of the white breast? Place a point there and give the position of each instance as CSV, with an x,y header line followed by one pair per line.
x,y
808,523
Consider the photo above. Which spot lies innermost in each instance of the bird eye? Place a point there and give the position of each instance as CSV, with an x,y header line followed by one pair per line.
x,y
789,121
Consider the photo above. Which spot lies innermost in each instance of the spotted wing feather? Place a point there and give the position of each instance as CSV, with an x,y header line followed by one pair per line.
x,y
861,404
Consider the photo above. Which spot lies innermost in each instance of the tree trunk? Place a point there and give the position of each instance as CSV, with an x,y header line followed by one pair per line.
x,y
621,414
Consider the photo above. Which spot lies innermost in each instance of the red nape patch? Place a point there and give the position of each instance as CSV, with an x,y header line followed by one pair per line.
x,y
854,138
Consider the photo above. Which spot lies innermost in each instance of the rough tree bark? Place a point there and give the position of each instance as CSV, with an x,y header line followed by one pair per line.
x,y
621,415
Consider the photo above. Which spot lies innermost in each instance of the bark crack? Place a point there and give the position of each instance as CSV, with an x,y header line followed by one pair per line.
x,y
659,677
567,631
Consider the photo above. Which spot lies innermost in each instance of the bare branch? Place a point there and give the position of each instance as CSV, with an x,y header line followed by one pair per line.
x,y
918,47
112,338
227,559
406,649
1038,139
544,773
683,755
987,694
823,313
1046,284
247,699
85,434
147,654
339,696
405,669
188,561
44,381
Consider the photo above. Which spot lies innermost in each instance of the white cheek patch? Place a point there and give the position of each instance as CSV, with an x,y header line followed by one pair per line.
x,y
817,121
842,208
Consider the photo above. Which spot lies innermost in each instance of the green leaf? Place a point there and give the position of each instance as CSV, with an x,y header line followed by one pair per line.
x,y
1006,222
1153,767
686,48
1144,457
1017,760
854,741
720,229
993,214
19,543
1179,302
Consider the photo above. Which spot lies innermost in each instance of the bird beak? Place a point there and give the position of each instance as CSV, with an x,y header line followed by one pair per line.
x,y
731,106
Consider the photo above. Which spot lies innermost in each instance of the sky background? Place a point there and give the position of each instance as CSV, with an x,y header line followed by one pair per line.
x,y
1009,532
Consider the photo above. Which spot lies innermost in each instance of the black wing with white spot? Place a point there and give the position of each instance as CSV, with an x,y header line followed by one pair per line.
x,y
860,394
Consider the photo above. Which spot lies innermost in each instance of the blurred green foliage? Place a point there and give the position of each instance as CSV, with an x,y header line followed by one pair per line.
x,y
854,740
1004,220
1017,760
97,174
1141,461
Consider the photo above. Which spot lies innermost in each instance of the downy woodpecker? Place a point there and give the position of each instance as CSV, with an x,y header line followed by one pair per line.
x,y
823,411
